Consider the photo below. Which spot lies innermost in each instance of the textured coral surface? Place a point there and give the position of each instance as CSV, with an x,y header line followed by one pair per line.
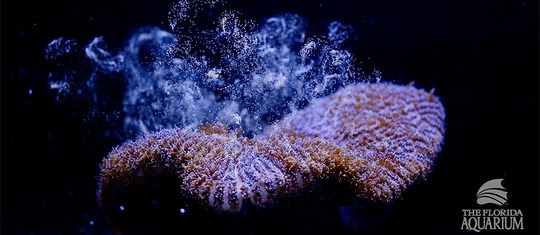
x,y
375,138
396,131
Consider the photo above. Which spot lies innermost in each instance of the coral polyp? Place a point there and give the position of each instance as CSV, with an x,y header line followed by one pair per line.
x,y
375,138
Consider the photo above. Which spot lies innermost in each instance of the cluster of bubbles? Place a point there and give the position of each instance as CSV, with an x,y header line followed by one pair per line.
x,y
227,70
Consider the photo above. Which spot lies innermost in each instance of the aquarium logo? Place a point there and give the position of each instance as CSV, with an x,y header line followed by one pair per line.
x,y
492,192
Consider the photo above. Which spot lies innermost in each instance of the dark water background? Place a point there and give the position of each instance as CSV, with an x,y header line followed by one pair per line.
x,y
481,56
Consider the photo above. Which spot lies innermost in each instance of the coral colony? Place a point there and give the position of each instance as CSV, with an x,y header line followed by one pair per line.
x,y
244,114
375,138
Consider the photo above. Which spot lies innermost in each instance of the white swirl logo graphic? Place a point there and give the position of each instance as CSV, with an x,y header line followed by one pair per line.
x,y
492,192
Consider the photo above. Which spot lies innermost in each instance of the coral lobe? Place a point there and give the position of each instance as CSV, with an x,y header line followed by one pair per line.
x,y
376,138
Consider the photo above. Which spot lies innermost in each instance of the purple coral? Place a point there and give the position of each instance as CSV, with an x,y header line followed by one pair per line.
x,y
376,138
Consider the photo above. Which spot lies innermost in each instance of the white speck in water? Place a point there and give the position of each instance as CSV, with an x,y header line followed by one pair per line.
x,y
182,211
91,222
122,208
214,73
30,92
